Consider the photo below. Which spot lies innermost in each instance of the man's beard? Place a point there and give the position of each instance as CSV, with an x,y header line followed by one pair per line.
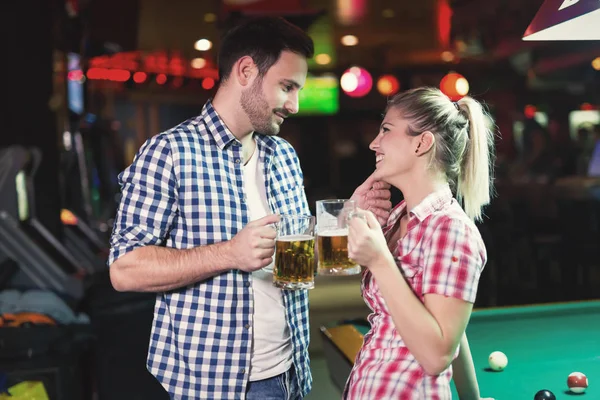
x,y
257,109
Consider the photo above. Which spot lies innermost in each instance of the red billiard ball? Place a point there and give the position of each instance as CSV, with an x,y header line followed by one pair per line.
x,y
577,382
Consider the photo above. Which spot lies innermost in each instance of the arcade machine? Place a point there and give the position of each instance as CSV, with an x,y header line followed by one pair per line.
x,y
83,242
90,157
42,336
43,262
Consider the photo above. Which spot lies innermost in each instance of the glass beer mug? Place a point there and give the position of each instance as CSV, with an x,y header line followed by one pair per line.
x,y
332,237
295,252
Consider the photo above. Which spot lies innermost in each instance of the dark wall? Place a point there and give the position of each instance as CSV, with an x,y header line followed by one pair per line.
x,y
25,117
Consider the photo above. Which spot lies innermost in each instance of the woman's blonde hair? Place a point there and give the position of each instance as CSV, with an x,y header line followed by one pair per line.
x,y
464,145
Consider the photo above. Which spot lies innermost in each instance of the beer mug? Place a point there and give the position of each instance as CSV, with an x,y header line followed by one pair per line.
x,y
295,252
332,237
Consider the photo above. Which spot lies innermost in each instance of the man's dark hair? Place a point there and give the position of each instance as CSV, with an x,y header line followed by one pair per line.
x,y
263,39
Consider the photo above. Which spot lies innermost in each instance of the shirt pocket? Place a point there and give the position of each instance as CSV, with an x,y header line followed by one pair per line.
x,y
289,199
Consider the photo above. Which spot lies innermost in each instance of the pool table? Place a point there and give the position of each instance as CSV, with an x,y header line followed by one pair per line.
x,y
543,343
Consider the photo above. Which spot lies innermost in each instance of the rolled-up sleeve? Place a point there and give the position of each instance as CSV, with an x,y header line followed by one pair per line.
x,y
148,202
454,260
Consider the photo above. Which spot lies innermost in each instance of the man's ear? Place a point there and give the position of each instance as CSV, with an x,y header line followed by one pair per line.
x,y
244,70
425,143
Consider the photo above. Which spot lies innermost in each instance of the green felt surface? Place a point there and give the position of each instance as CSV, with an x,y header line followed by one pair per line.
x,y
543,343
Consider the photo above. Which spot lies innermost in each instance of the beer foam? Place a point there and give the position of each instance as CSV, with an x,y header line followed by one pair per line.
x,y
335,232
294,238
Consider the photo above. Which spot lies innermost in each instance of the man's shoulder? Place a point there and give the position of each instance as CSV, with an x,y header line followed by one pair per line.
x,y
179,137
188,130
283,148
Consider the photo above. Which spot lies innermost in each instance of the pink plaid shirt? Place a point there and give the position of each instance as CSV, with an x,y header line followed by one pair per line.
x,y
442,252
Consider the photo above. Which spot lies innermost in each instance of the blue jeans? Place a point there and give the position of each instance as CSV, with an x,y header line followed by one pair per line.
x,y
275,388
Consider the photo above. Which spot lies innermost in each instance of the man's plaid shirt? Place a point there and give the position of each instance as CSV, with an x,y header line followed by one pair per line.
x,y
184,189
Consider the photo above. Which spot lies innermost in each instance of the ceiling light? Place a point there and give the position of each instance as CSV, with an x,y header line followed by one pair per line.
x,y
349,82
447,56
198,63
349,40
203,45
322,59
462,86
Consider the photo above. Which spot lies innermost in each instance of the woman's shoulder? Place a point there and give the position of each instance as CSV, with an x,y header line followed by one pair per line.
x,y
454,223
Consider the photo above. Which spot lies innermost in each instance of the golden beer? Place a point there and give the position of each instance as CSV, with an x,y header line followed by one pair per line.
x,y
333,253
294,262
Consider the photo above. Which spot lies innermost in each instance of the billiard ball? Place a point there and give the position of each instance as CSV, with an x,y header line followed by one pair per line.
x,y
544,395
577,382
497,360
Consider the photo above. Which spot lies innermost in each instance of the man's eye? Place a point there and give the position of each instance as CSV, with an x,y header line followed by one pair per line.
x,y
287,88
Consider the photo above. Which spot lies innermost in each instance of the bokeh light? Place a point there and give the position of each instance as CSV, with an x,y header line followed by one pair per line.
x,y
349,40
198,63
455,86
208,83
388,85
140,77
322,59
203,45
356,82
529,111
161,79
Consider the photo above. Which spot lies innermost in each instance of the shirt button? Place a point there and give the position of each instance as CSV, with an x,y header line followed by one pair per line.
x,y
237,161
247,283
247,326
243,370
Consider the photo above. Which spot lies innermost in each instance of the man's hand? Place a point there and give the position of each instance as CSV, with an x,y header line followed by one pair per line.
x,y
374,196
253,247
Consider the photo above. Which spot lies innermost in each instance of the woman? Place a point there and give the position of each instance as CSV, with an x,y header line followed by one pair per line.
x,y
423,268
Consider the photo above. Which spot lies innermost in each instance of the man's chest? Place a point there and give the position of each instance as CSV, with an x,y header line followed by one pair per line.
x,y
211,190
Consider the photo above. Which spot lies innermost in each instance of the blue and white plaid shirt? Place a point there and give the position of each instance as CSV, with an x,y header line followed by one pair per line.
x,y
184,189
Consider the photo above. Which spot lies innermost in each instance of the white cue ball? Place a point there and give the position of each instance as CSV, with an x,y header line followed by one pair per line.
x,y
497,361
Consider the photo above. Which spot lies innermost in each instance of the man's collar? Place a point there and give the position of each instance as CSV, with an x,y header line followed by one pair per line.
x,y
221,133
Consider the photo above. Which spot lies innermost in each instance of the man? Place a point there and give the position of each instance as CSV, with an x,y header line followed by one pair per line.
x,y
195,226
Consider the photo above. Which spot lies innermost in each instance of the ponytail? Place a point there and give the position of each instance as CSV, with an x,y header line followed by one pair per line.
x,y
474,186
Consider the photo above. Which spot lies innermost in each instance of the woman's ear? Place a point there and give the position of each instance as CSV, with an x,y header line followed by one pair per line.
x,y
425,143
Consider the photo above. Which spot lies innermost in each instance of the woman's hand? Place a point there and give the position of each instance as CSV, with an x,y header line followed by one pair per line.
x,y
366,243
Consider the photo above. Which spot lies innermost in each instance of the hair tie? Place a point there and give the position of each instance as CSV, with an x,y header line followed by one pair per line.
x,y
456,105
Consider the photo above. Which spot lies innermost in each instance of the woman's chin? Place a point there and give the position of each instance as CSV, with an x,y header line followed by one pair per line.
x,y
378,175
